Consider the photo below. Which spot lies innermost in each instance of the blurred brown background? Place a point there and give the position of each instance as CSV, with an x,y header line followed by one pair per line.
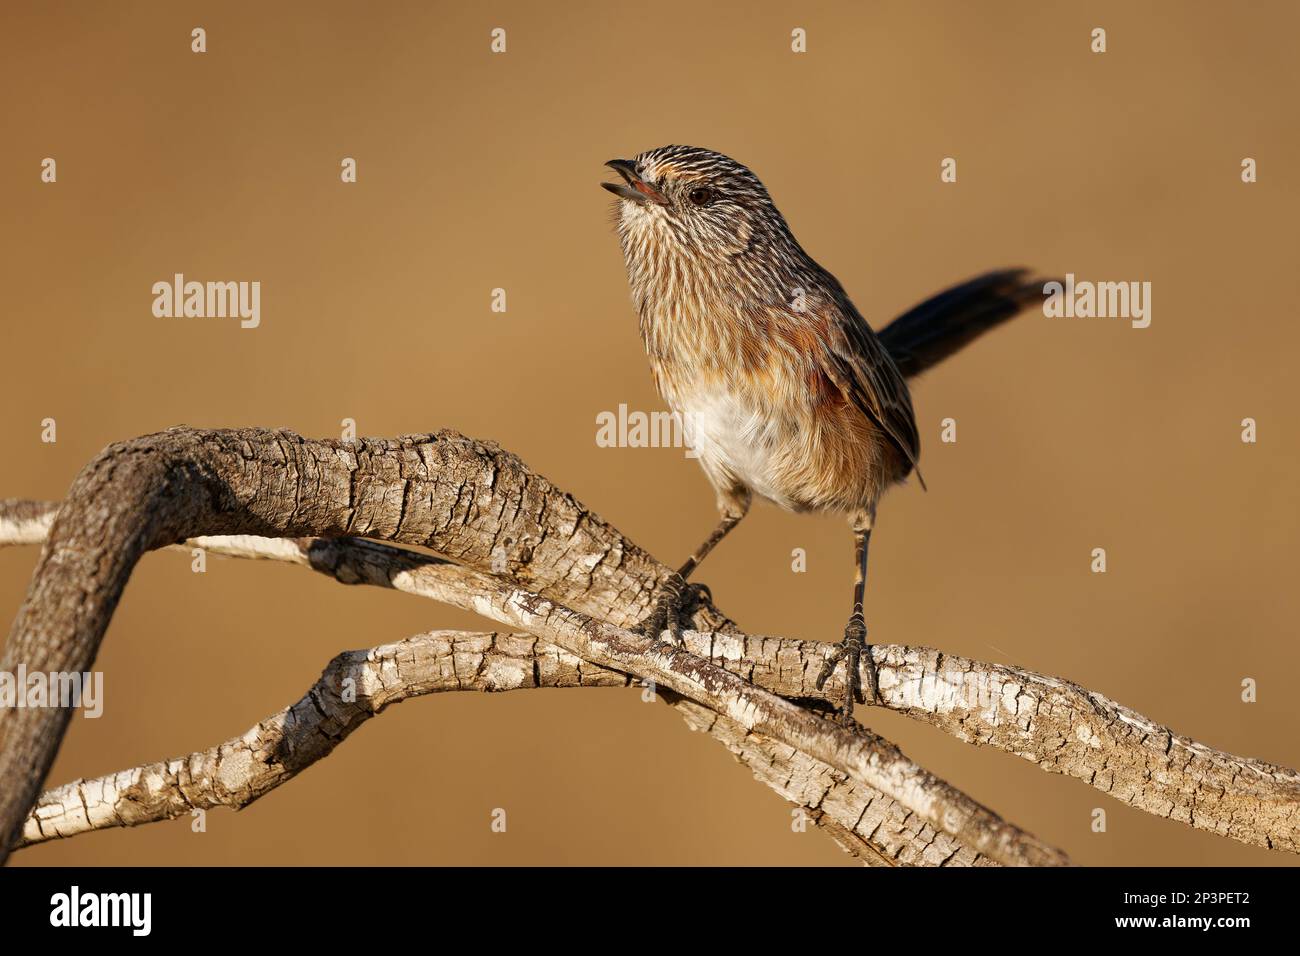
x,y
479,171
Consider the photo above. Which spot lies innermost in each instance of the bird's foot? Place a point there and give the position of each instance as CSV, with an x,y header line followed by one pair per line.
x,y
852,649
672,602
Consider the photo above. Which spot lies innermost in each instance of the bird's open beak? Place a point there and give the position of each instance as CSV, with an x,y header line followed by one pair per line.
x,y
632,187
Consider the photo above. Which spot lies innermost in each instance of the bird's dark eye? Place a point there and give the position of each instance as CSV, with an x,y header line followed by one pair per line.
x,y
700,196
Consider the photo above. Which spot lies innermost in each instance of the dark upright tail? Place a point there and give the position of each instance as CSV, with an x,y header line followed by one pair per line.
x,y
939,326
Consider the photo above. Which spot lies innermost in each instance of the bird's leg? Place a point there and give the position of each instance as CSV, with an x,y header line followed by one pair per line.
x,y
854,645
666,614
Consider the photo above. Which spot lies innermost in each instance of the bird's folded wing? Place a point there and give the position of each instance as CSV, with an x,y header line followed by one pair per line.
x,y
863,370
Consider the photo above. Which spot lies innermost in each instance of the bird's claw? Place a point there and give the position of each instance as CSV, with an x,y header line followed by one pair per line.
x,y
852,649
673,598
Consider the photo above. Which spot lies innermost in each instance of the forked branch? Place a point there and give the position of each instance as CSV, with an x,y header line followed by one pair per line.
x,y
459,497
731,684
357,685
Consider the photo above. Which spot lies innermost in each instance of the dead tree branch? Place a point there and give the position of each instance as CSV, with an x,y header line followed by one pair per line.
x,y
1058,725
455,496
444,492
866,823
240,770
355,686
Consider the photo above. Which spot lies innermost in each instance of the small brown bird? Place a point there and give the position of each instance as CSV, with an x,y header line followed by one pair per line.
x,y
784,390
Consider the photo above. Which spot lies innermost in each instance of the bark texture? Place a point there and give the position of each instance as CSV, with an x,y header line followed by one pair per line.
x,y
240,770
574,582
462,498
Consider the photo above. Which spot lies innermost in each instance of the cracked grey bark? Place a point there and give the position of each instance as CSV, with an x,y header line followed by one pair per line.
x,y
865,822
864,756
1060,726
355,686
239,771
461,498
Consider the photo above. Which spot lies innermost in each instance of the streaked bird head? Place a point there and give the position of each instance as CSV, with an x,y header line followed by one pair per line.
x,y
688,215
